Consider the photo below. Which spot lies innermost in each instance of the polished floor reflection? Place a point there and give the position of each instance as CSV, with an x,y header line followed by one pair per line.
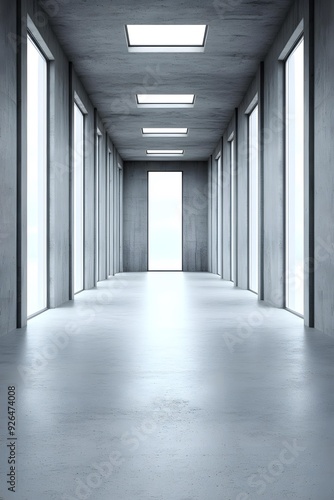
x,y
170,386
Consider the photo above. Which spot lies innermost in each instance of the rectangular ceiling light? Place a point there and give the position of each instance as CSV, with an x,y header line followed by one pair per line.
x,y
166,37
165,100
165,152
164,132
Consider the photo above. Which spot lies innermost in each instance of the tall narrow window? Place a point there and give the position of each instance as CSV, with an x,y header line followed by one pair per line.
x,y
220,219
253,144
36,180
165,221
295,180
120,219
110,215
233,218
214,217
97,204
78,199
118,215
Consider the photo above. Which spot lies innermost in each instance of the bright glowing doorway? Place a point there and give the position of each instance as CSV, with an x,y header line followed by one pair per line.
x,y
165,221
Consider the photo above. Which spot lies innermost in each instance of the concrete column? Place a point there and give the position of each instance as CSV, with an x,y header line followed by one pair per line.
x,y
21,164
310,262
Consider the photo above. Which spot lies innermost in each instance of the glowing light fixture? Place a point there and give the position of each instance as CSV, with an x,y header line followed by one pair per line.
x,y
165,100
166,37
164,152
164,132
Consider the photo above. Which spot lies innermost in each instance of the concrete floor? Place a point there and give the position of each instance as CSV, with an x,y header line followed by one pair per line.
x,y
169,386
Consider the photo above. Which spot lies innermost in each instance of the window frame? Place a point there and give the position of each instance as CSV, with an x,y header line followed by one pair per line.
x,y
300,39
31,38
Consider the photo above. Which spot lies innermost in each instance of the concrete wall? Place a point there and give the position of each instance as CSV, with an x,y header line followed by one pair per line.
x,y
64,84
215,189
227,215
59,173
198,212
319,179
64,87
210,225
213,199
274,161
195,213
241,176
238,130
59,166
324,166
102,235
271,164
78,92
195,216
110,201
8,166
118,213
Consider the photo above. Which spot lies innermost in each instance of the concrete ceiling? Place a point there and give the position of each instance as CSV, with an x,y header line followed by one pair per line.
x,y
240,34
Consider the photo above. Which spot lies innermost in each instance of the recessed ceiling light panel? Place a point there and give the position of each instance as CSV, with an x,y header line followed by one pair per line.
x,y
164,152
166,37
165,100
164,132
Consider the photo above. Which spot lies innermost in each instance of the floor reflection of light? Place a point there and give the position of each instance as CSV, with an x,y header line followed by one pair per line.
x,y
166,335
166,299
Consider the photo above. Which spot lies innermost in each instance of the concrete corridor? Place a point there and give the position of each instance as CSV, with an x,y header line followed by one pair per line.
x,y
169,386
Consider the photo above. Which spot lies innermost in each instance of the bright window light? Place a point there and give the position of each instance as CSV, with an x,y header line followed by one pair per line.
x,y
78,174
233,212
165,221
165,152
36,180
165,131
253,152
165,100
97,203
220,217
295,202
166,38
